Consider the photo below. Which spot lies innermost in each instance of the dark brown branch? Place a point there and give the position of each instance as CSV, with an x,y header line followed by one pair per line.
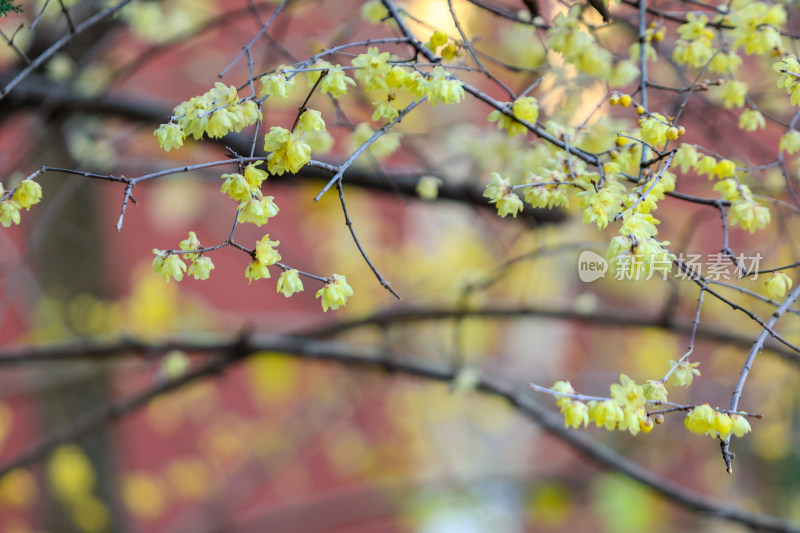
x,y
236,350
36,91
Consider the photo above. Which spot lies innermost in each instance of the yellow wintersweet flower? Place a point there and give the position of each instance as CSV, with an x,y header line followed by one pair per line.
x,y
504,122
602,206
749,215
257,270
640,225
501,194
221,122
526,108
684,374
437,39
258,211
654,130
751,120
789,69
222,94
740,425
193,116
756,27
606,414
372,69
336,82
236,186
790,142
384,109
728,189
723,169
564,387
655,391
9,213
575,414
428,187
311,121
190,243
169,136
723,424
335,292
627,393
276,85
288,153
777,285
545,195
706,165
289,282
171,266
632,419
250,111
725,62
254,175
265,253
450,51
686,157
28,193
201,268
399,77
374,11
700,420
733,94
695,28
694,53
442,88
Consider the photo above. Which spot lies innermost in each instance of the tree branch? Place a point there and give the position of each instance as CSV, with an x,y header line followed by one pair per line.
x,y
237,349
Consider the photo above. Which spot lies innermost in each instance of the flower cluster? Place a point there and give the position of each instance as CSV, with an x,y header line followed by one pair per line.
x,y
246,189
288,151
625,410
525,108
265,255
694,46
777,285
214,113
335,292
789,68
704,420
439,39
171,265
377,74
26,194
501,193
756,27
744,210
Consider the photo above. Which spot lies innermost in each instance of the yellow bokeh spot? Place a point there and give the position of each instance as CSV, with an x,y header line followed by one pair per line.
x,y
153,305
90,515
18,488
165,414
143,495
224,446
348,452
189,478
70,472
273,378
